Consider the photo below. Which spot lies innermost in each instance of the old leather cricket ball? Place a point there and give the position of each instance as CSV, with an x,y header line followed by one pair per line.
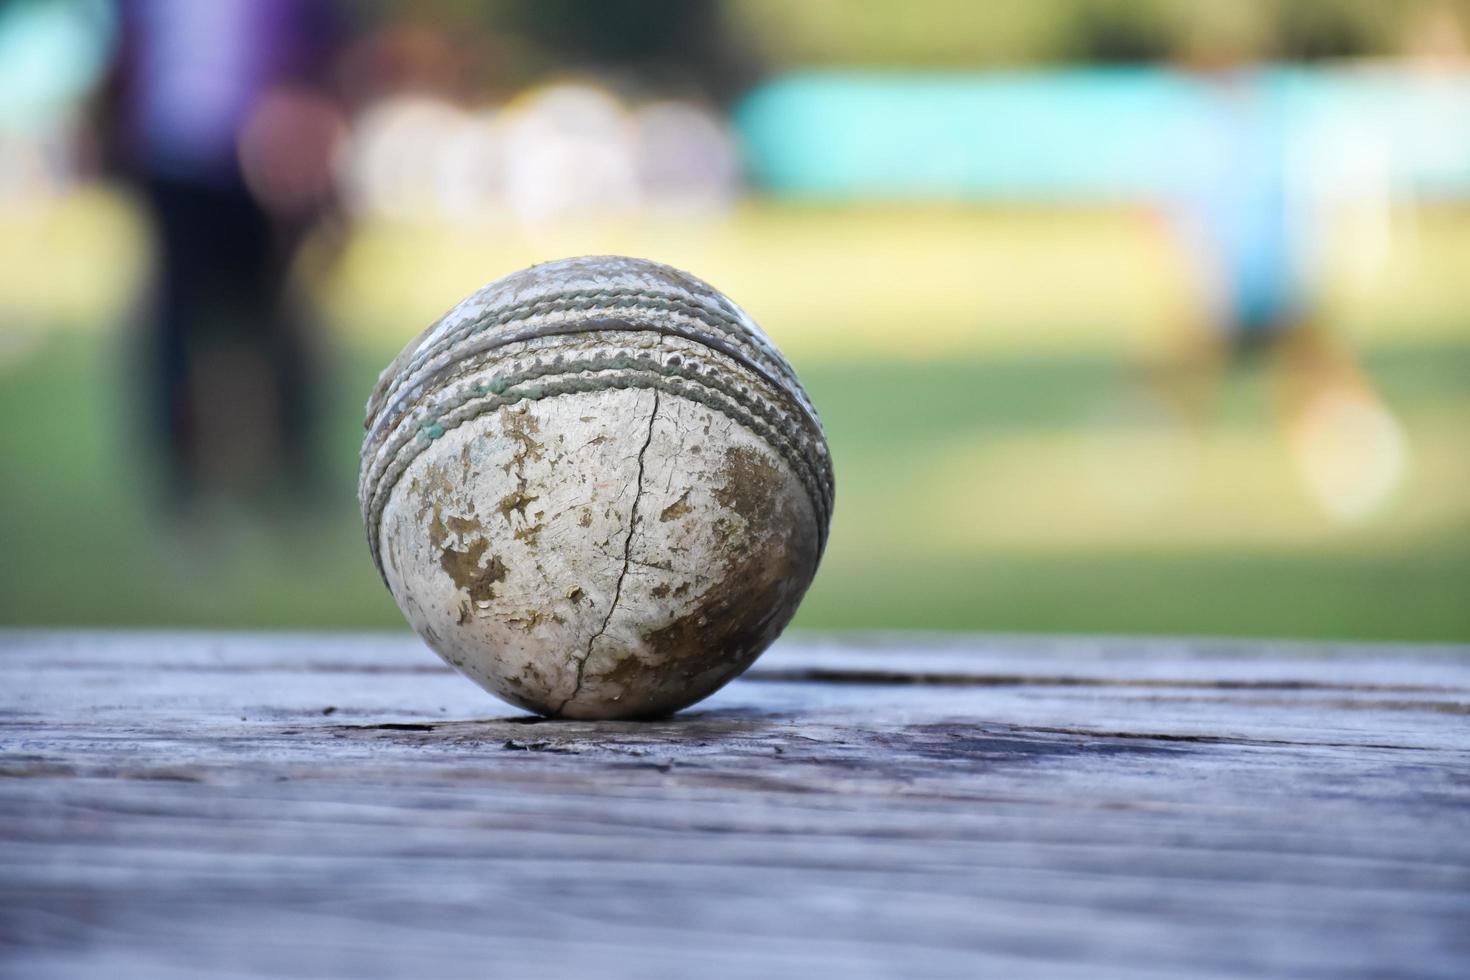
x,y
595,488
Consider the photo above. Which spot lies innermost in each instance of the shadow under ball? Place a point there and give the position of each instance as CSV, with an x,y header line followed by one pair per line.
x,y
596,488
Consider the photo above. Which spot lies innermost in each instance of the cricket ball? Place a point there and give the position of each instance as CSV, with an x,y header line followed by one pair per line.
x,y
595,488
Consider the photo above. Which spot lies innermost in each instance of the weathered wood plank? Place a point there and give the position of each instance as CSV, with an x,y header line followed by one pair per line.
x,y
174,804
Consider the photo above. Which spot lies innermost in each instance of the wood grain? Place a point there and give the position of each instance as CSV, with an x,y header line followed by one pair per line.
x,y
185,805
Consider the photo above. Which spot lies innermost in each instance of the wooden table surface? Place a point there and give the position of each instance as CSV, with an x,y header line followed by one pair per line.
x,y
224,805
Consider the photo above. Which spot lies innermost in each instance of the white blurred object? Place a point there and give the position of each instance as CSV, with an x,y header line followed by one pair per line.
x,y
562,153
688,161
471,170
1343,175
1350,453
569,152
393,166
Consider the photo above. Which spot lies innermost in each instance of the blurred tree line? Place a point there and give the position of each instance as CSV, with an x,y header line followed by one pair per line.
x,y
716,49
961,33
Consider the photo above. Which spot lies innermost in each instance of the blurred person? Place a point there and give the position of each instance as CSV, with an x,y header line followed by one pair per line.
x,y
221,117
1249,215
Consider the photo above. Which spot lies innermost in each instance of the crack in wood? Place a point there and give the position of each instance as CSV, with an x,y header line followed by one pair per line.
x,y
822,675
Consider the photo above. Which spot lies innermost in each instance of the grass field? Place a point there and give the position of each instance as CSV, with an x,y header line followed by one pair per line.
x,y
980,485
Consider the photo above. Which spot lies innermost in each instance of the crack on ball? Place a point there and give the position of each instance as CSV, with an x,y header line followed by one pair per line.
x,y
627,561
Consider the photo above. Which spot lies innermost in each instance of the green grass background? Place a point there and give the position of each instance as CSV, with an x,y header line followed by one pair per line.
x,y
968,460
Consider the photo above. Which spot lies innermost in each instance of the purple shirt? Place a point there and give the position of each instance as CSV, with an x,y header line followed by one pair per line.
x,y
197,69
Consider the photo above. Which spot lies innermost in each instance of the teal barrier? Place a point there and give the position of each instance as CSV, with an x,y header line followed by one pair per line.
x,y
1091,134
